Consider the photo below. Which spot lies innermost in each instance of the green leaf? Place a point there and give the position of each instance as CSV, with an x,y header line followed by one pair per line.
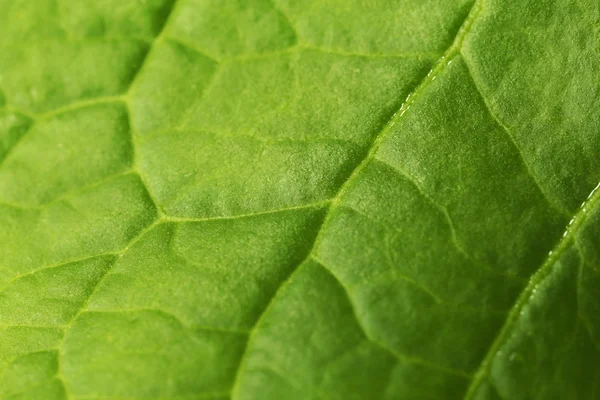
x,y
279,199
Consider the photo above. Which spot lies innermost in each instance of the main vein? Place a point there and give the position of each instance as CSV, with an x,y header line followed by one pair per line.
x,y
542,273
450,52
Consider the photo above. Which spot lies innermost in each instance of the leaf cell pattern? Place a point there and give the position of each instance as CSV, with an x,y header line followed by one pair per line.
x,y
281,199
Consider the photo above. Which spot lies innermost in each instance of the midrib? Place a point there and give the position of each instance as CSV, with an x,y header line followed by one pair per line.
x,y
542,273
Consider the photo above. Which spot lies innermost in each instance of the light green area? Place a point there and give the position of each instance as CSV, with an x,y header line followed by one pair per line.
x,y
272,199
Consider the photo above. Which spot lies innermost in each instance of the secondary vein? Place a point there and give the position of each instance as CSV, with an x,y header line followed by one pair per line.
x,y
135,239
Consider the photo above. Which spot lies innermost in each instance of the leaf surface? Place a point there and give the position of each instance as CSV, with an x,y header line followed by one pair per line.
x,y
281,199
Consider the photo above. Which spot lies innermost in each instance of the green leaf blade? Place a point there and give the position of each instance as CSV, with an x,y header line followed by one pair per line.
x,y
273,199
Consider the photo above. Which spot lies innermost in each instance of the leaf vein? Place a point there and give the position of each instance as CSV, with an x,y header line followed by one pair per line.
x,y
511,137
452,50
387,349
543,272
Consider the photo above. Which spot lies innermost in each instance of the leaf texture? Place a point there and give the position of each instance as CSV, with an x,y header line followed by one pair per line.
x,y
276,199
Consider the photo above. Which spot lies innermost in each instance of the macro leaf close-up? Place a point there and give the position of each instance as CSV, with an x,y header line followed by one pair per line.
x,y
299,199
